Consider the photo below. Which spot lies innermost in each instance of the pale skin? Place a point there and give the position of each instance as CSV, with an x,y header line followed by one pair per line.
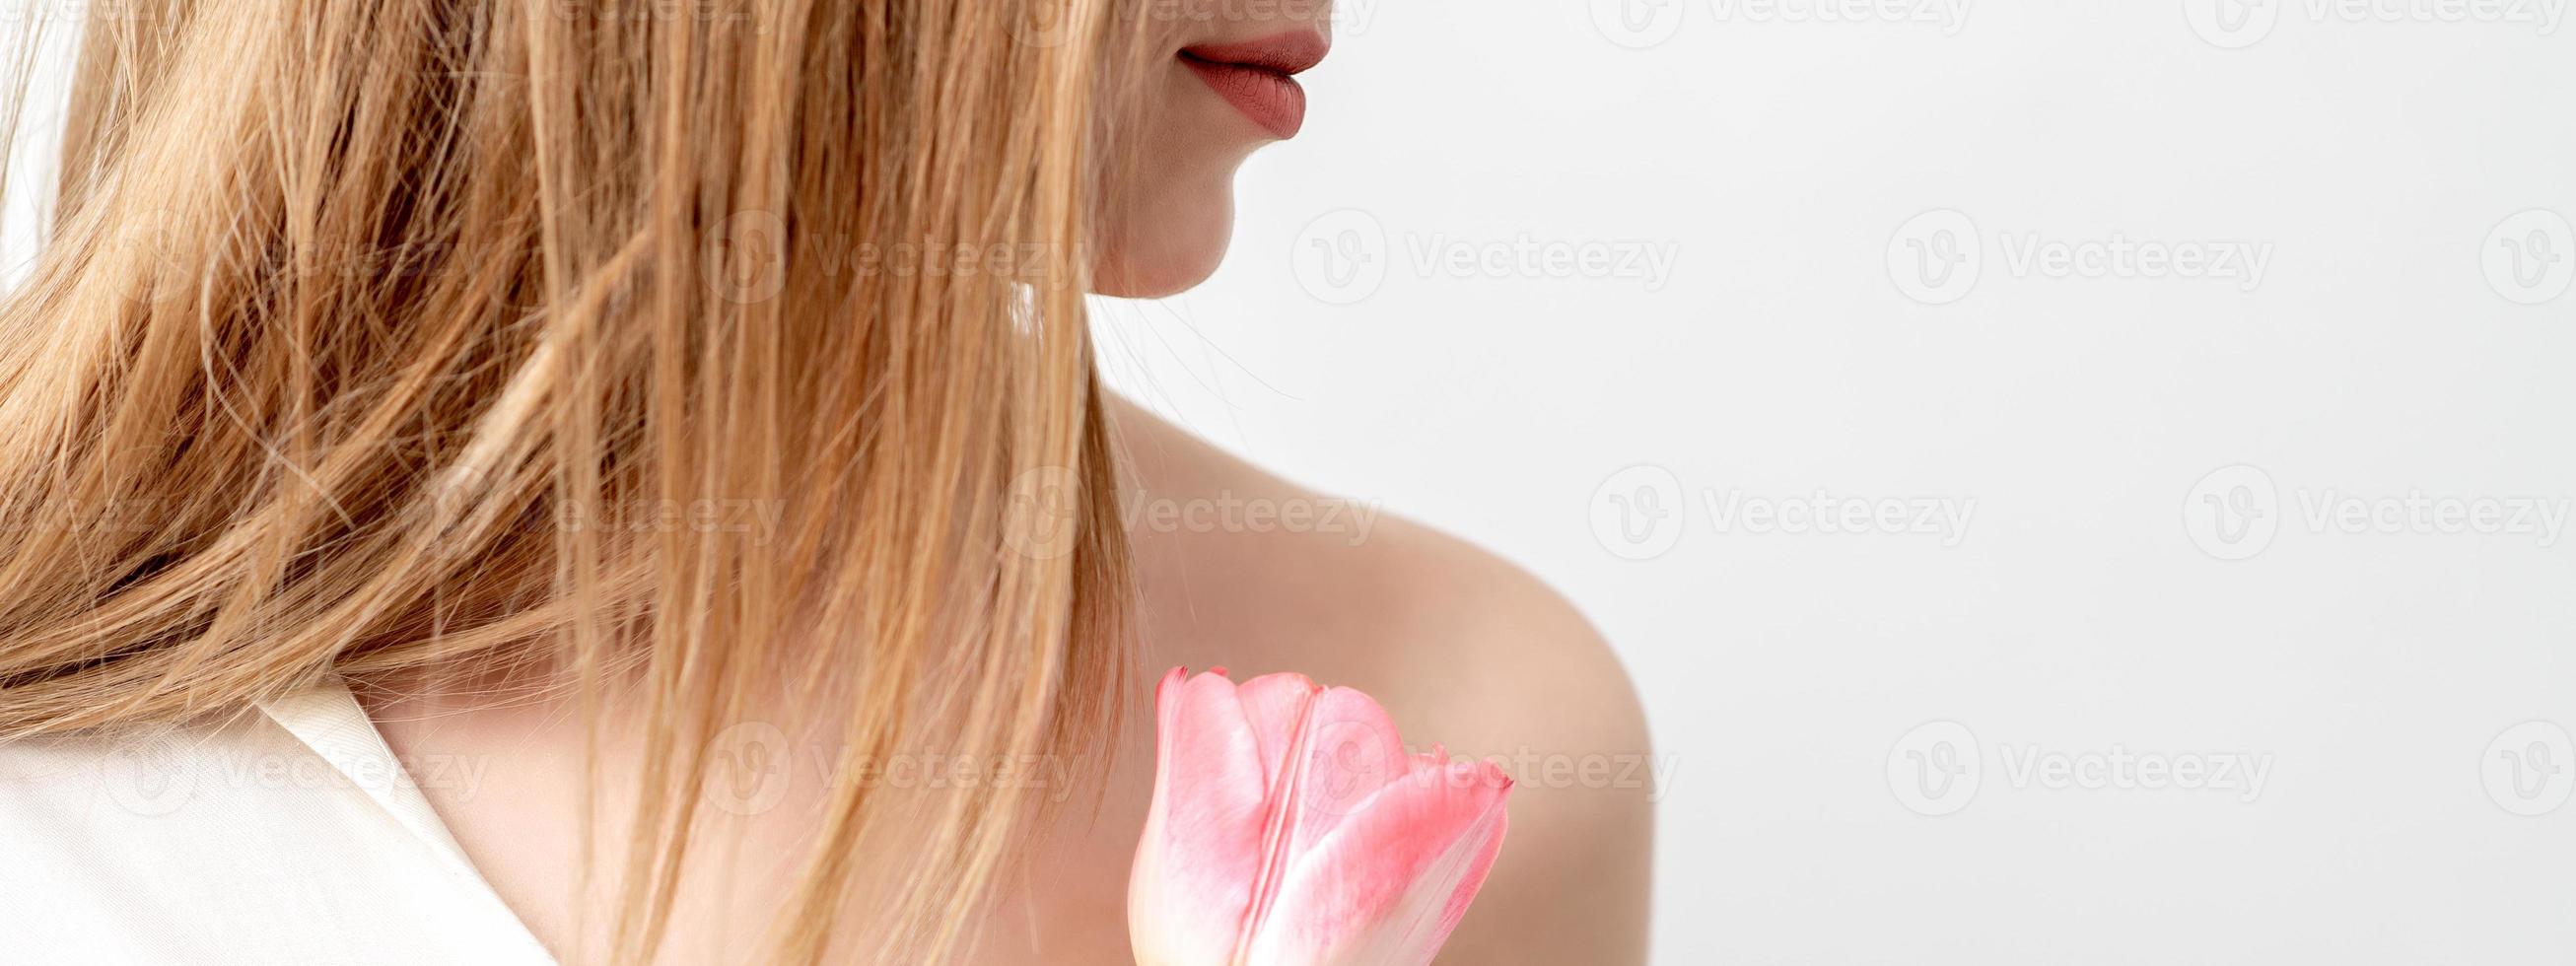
x,y
1459,646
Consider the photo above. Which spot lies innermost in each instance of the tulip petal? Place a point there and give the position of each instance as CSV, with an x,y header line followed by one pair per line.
x,y
1341,750
1201,852
1272,705
1290,828
1389,884
1352,751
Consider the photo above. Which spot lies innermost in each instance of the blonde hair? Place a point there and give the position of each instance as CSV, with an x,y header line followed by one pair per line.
x,y
349,305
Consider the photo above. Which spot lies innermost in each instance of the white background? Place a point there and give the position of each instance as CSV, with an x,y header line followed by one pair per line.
x,y
2079,615
1782,157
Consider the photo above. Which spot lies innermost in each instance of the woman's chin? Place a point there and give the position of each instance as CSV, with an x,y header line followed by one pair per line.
x,y
1167,242
1168,263
1152,279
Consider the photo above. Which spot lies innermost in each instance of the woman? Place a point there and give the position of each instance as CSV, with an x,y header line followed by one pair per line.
x,y
510,480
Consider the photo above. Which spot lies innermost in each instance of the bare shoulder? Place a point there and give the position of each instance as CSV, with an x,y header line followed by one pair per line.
x,y
1243,569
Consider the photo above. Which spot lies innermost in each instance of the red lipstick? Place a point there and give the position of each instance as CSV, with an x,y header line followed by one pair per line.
x,y
1259,77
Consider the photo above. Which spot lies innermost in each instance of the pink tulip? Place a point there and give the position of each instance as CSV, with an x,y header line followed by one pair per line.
x,y
1290,828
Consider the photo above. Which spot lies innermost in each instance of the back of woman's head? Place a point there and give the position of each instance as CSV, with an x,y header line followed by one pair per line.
x,y
366,331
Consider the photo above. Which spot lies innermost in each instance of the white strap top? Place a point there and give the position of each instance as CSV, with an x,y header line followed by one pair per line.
x,y
288,838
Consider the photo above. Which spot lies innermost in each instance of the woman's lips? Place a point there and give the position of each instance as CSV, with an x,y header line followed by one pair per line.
x,y
1259,77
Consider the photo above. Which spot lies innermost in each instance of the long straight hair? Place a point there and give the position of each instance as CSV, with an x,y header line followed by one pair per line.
x,y
361,322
